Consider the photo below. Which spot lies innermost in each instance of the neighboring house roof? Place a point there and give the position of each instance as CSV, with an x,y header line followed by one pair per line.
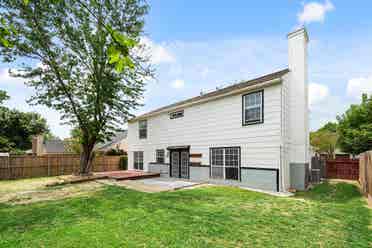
x,y
119,136
217,93
54,146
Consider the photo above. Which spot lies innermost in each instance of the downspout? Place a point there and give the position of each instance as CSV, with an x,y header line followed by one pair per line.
x,y
281,174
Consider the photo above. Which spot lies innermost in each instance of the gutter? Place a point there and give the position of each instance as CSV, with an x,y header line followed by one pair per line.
x,y
235,92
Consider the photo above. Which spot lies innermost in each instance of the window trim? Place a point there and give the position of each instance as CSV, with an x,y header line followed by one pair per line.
x,y
156,156
175,113
134,160
139,129
246,123
224,166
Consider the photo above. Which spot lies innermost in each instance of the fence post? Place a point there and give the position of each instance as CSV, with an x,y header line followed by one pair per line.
x,y
48,166
9,167
367,172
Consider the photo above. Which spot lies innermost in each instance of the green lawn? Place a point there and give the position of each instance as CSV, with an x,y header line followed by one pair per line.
x,y
331,215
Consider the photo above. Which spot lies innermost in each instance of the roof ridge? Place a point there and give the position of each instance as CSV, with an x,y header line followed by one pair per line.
x,y
242,84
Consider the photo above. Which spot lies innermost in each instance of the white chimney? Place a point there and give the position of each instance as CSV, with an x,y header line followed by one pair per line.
x,y
38,145
298,96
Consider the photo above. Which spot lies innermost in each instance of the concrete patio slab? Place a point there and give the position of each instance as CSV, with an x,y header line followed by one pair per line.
x,y
153,185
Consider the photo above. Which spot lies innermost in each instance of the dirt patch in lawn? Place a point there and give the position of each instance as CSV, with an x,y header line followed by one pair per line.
x,y
35,190
152,185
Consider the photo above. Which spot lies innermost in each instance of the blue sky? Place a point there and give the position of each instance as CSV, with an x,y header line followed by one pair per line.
x,y
200,45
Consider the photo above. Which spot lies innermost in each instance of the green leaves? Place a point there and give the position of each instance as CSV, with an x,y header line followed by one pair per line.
x,y
3,96
18,127
122,40
355,127
93,76
7,33
4,33
118,51
113,54
324,141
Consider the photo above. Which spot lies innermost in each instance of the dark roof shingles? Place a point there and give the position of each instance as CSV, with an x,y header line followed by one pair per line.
x,y
262,79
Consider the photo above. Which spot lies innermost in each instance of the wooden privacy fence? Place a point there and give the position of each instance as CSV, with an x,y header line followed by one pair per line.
x,y
14,167
343,169
365,173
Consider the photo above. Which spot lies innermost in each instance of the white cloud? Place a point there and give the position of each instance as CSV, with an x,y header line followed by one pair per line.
x,y
41,65
6,79
314,12
178,84
357,86
158,53
317,93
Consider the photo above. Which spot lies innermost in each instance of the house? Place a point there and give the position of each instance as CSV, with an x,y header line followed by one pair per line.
x,y
118,142
254,133
46,147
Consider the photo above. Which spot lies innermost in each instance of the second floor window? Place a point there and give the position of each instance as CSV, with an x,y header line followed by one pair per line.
x,y
253,108
175,115
142,128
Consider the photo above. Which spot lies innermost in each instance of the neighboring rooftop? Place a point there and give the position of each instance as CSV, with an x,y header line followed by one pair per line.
x,y
54,146
219,92
119,136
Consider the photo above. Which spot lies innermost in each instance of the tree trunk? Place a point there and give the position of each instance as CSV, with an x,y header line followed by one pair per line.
x,y
86,158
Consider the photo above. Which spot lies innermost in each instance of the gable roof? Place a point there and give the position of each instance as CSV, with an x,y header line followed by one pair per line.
x,y
119,136
54,146
220,92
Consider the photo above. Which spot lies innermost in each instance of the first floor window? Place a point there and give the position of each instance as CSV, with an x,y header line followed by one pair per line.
x,y
225,163
253,108
138,160
160,154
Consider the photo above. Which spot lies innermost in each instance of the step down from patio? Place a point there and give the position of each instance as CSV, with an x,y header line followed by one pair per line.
x,y
128,175
116,175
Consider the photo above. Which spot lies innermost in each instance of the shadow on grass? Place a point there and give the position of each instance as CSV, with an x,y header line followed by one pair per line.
x,y
22,218
331,193
343,202
204,214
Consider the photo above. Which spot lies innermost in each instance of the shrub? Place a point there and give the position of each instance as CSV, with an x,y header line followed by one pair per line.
x,y
123,164
115,152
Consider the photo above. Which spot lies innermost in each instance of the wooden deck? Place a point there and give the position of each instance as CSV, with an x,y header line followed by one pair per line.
x,y
126,175
116,175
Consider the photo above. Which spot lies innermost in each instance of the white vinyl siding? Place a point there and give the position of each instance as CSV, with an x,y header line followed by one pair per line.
x,y
216,123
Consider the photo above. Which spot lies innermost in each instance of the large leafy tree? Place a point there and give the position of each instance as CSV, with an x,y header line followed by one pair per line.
x,y
330,127
75,140
3,96
92,71
355,127
17,128
324,140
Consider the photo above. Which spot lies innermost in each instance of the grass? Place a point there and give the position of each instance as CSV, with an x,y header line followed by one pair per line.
x,y
10,186
331,215
28,191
